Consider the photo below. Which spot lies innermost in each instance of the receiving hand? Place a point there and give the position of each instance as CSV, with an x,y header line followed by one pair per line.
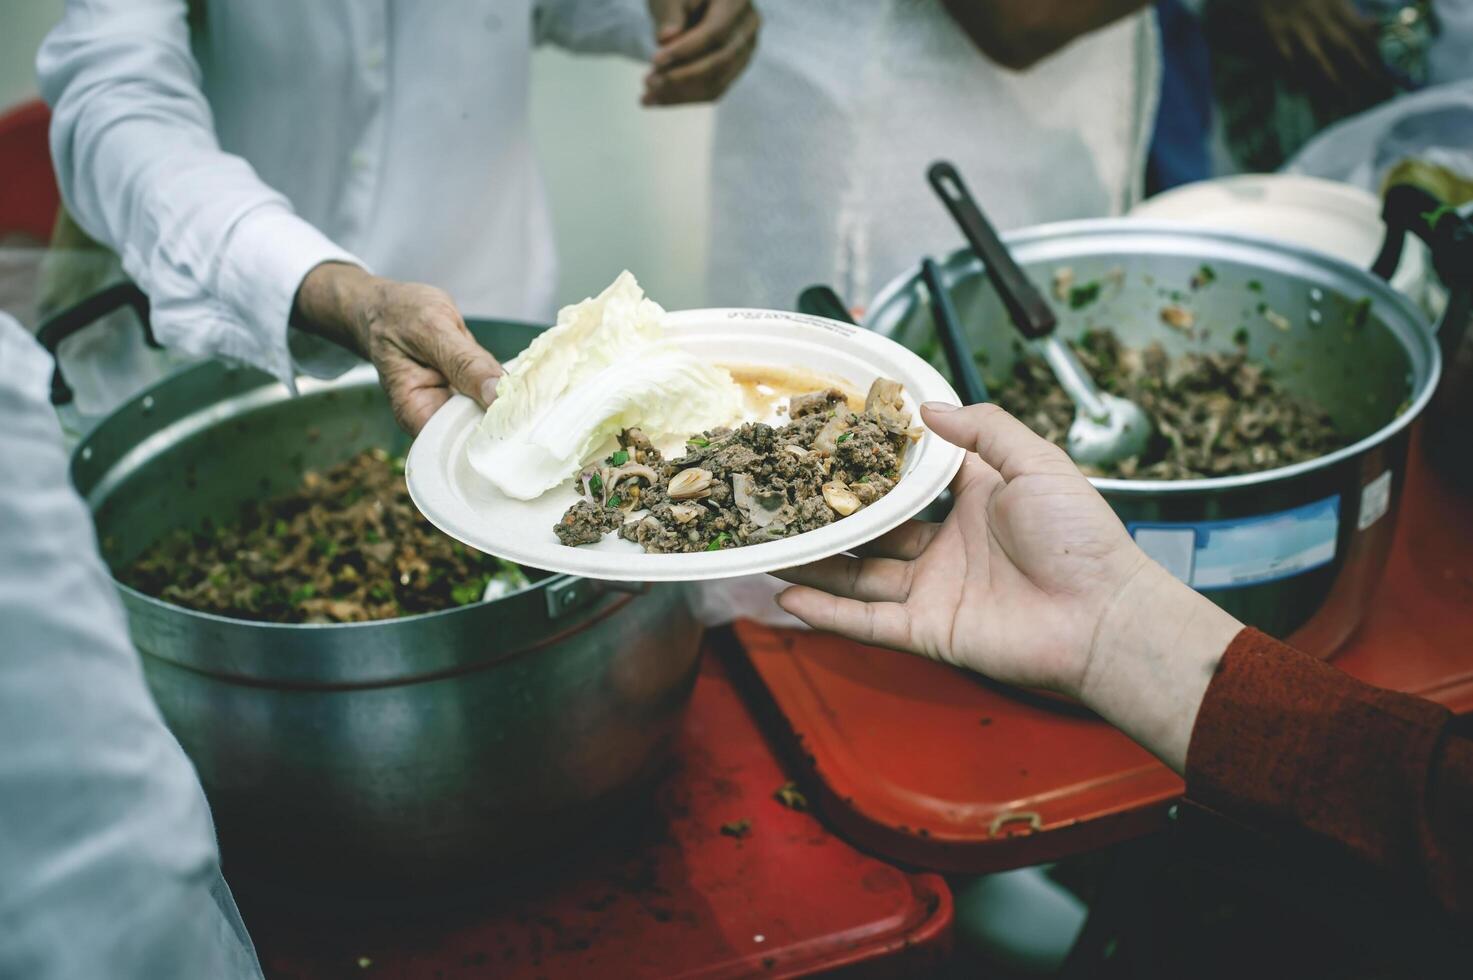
x,y
412,333
1031,580
1332,35
1014,584
704,46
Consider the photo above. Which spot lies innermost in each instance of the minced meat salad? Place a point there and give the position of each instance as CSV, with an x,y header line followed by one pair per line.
x,y
749,485
348,546
1215,414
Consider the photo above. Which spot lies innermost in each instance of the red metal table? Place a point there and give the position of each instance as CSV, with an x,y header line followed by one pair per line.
x,y
679,899
924,764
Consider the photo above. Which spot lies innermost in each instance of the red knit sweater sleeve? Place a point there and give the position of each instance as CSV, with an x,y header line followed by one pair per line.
x,y
1285,741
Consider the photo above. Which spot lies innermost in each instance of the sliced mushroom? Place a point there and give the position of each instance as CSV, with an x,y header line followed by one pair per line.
x,y
685,513
1178,317
815,402
690,484
827,440
886,402
761,509
839,497
796,450
612,478
1063,282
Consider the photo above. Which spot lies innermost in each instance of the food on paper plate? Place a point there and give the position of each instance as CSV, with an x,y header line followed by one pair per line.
x,y
606,366
674,453
750,484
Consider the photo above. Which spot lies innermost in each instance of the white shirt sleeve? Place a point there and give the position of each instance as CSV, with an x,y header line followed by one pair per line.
x,y
597,26
108,863
219,253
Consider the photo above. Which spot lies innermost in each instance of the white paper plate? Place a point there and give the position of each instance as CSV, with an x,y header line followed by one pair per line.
x,y
463,505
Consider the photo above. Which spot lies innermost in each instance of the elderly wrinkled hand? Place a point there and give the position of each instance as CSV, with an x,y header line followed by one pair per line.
x,y
704,47
413,334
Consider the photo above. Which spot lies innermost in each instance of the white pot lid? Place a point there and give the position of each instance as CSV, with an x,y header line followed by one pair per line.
x,y
1330,217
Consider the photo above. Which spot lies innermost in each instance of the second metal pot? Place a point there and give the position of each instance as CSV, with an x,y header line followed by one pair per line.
x,y
1295,551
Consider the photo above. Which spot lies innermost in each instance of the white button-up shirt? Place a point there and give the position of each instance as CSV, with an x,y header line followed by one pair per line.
x,y
108,865
223,149
821,149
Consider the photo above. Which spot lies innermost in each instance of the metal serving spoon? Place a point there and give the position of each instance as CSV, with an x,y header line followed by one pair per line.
x,y
1106,428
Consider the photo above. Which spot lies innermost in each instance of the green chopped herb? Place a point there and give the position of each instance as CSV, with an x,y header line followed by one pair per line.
x,y
614,502
1360,313
699,441
1262,308
863,479
596,483
1205,276
842,438
398,465
305,592
619,458
718,541
379,592
1433,217
1254,286
1240,336
1082,296
470,592
371,536
279,529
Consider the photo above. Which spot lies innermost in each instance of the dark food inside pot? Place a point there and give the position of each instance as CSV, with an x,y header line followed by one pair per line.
x,y
1215,414
749,485
347,546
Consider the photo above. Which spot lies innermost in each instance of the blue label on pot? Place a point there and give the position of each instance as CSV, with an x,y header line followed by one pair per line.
x,y
1245,550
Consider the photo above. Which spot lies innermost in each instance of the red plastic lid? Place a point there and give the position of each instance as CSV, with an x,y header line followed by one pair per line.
x,y
928,765
787,899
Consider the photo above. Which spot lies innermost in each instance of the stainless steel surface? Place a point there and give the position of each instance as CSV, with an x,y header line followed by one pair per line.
x,y
416,750
1106,428
1373,368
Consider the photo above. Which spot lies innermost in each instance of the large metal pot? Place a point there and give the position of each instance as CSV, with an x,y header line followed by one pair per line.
x,y
1295,551
420,749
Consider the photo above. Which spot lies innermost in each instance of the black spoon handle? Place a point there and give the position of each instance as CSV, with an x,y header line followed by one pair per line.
x,y
953,341
1029,311
823,301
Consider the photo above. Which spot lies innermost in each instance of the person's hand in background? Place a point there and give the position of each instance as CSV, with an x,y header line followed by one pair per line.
x,y
704,45
413,334
1031,580
1331,38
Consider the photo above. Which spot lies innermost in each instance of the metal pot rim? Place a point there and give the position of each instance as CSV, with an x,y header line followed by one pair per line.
x,y
1097,227
233,621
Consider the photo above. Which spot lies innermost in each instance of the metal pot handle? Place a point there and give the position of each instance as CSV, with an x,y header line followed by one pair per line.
x,y
571,594
1409,209
77,318
1449,235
